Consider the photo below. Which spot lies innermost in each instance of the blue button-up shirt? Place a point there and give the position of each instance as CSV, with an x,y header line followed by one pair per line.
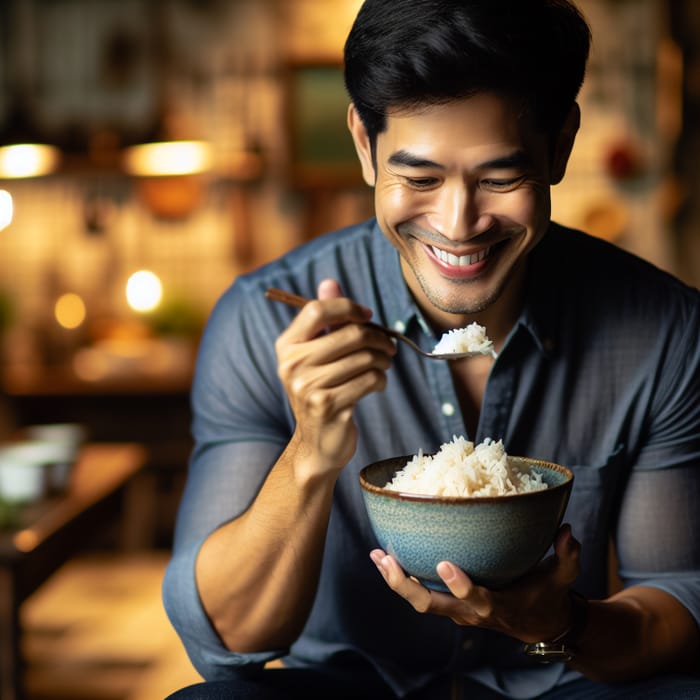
x,y
600,373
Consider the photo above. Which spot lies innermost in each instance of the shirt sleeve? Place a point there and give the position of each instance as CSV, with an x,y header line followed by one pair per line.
x,y
241,424
658,534
657,539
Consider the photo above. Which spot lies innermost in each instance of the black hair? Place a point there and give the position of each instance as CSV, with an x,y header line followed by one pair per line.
x,y
408,53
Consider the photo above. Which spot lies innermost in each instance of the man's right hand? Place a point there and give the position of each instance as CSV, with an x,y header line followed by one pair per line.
x,y
328,359
257,574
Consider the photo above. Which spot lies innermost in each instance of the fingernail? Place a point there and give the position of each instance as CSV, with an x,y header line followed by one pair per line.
x,y
446,571
377,559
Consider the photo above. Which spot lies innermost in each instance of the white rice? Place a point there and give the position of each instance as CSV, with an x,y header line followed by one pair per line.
x,y
472,338
461,469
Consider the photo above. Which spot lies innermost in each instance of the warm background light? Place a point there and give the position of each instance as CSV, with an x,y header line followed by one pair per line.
x,y
69,310
168,158
144,290
27,160
5,209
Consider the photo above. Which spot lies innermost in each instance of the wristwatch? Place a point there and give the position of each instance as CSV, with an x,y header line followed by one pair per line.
x,y
563,647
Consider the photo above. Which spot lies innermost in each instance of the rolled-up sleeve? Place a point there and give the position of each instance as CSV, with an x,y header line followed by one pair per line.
x,y
658,533
657,542
237,440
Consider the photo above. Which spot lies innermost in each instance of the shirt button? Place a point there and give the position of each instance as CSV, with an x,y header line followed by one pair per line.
x,y
448,409
400,326
468,644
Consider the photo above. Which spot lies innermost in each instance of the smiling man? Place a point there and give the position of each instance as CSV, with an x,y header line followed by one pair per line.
x,y
463,114
462,192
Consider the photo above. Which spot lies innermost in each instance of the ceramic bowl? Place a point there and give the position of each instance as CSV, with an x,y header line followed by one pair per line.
x,y
65,440
494,539
23,470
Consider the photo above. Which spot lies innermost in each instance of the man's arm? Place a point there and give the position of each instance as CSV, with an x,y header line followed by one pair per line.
x,y
257,574
638,632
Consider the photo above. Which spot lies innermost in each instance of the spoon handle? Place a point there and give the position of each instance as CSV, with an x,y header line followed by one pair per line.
x,y
286,297
290,299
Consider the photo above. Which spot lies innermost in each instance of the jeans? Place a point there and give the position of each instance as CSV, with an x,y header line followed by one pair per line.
x,y
308,684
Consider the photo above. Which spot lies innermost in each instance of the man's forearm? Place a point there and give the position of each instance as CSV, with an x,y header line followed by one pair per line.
x,y
638,632
257,575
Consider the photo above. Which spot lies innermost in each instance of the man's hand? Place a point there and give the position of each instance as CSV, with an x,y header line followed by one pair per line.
x,y
328,359
535,608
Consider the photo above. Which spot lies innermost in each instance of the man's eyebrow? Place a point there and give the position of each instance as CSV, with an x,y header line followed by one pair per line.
x,y
517,159
402,157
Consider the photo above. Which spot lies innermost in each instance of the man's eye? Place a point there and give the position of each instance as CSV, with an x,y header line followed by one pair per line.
x,y
421,182
502,185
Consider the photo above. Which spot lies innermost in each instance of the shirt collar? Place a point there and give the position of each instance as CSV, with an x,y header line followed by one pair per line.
x,y
399,308
540,312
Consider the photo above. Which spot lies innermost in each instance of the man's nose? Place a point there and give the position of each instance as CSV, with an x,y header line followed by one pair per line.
x,y
459,213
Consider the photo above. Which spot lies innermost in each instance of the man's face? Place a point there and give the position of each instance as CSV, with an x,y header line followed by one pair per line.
x,y
462,192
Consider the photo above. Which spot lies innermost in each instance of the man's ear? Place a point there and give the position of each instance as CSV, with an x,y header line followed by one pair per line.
x,y
362,145
564,143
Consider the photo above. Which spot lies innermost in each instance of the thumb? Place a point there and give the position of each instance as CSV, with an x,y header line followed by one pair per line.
x,y
568,555
329,289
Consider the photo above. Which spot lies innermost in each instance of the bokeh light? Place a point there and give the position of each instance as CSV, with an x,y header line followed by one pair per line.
x,y
144,290
168,158
69,310
28,160
6,209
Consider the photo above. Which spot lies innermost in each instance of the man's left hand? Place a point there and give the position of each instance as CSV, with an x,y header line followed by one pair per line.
x,y
537,607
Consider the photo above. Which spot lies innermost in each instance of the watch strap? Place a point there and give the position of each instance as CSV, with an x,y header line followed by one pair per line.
x,y
563,647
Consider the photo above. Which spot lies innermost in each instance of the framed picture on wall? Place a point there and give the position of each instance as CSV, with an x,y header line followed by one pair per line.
x,y
321,151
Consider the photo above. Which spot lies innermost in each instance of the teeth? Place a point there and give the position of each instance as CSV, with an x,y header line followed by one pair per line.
x,y
460,260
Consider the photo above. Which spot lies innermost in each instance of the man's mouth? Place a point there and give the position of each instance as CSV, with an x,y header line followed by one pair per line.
x,y
460,260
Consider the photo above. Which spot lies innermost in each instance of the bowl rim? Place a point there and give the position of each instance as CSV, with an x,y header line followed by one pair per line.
x,y
456,500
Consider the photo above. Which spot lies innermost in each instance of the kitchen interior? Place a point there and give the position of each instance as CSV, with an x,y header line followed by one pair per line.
x,y
113,252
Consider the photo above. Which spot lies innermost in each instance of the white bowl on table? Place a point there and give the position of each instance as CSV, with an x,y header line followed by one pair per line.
x,y
24,469
65,440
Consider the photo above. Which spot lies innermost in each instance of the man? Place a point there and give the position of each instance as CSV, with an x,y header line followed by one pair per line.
x,y
463,114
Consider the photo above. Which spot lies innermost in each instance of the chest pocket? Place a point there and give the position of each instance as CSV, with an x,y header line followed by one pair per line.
x,y
591,514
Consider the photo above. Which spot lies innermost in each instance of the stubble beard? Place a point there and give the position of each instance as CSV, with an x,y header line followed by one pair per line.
x,y
456,304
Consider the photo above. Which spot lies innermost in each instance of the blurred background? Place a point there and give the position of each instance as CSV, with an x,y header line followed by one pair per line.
x,y
113,249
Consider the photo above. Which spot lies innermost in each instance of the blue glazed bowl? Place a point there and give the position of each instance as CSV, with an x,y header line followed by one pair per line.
x,y
494,539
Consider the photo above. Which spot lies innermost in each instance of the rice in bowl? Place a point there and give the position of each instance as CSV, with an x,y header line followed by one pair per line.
x,y
461,469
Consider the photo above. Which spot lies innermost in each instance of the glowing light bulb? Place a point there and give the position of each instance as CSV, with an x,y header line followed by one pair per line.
x,y
168,158
27,160
144,290
6,209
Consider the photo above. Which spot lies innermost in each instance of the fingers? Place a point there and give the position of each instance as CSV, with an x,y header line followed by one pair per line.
x,y
332,372
327,390
425,600
301,342
333,311
319,315
408,588
460,585
310,356
567,552
328,359
329,289
470,604
474,607
534,607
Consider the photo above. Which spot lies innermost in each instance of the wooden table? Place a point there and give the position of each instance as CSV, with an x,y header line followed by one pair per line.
x,y
50,532
152,411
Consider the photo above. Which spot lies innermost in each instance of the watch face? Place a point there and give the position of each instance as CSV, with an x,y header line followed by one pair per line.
x,y
549,653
